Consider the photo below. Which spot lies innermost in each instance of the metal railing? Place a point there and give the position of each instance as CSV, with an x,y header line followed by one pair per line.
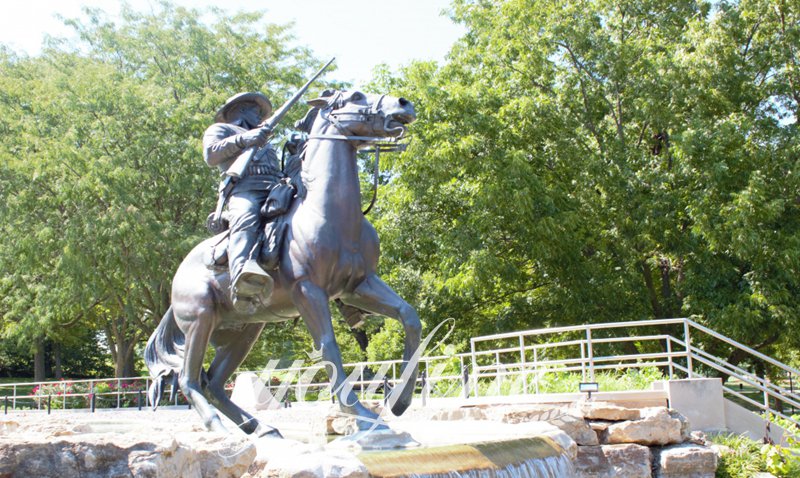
x,y
509,363
129,392
494,356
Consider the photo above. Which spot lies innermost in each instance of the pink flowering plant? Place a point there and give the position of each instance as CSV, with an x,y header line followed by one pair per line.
x,y
70,395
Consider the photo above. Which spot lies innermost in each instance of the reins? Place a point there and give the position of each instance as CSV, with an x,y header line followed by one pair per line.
x,y
378,144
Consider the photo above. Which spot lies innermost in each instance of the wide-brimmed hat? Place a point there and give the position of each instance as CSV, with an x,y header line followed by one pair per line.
x,y
253,97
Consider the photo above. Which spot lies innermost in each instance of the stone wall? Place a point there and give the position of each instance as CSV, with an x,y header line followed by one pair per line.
x,y
621,442
603,439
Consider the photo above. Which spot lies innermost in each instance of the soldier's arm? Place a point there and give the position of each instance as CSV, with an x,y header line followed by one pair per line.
x,y
220,144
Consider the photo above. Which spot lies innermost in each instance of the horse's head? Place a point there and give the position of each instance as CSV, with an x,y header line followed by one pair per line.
x,y
353,113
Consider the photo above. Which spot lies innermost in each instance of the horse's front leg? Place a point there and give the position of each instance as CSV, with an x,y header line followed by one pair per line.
x,y
374,295
312,302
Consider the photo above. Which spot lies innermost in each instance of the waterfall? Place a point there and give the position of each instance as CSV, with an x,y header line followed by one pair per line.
x,y
535,457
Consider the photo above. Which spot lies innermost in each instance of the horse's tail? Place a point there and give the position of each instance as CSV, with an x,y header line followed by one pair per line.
x,y
163,356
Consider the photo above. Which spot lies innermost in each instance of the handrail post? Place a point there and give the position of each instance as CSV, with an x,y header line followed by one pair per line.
x,y
590,353
64,395
119,391
669,353
14,398
522,367
465,380
536,369
583,361
474,369
499,377
688,339
424,387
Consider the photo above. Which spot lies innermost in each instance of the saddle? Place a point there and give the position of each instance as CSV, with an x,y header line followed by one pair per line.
x,y
274,213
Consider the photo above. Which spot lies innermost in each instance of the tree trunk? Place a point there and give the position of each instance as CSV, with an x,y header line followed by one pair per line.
x,y
57,369
38,361
123,359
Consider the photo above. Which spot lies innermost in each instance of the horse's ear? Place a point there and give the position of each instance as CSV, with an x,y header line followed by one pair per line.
x,y
318,102
323,100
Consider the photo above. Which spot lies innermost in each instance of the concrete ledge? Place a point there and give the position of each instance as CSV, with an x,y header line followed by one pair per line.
x,y
630,398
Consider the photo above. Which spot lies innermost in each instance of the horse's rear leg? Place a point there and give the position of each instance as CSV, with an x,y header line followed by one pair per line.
x,y
198,331
374,295
312,302
232,346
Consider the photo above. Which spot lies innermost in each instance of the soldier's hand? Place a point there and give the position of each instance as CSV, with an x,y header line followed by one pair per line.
x,y
254,137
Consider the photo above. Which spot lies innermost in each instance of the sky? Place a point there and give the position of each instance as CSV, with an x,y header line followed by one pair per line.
x,y
359,33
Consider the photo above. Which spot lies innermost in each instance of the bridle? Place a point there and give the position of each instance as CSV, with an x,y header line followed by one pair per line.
x,y
369,114
376,144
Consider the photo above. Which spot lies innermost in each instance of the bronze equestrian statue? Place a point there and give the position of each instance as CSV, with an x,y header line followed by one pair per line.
x,y
329,252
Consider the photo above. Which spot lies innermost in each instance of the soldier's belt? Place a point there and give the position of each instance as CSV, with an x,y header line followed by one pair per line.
x,y
259,170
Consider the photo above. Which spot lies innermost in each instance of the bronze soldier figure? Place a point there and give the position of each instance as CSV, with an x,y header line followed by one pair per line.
x,y
235,132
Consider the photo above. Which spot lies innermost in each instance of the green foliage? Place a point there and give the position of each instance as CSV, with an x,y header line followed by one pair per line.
x,y
742,461
744,458
567,382
603,161
104,187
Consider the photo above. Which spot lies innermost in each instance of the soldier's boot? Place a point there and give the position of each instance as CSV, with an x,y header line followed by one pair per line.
x,y
251,287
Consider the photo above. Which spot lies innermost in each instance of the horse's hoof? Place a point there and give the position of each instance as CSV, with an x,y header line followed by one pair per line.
x,y
245,305
272,433
400,407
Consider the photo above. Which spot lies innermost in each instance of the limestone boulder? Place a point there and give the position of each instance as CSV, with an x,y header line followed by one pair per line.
x,y
8,427
605,411
613,461
577,429
658,427
341,424
96,456
524,414
465,413
686,461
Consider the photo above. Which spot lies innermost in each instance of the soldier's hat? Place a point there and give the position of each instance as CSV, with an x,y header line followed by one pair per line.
x,y
253,97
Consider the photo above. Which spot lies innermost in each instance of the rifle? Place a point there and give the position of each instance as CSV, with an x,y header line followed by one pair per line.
x,y
238,168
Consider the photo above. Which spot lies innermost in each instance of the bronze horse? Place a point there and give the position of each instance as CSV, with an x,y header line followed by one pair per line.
x,y
330,251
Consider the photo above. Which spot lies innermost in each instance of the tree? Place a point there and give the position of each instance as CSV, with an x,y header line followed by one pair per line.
x,y
603,161
104,186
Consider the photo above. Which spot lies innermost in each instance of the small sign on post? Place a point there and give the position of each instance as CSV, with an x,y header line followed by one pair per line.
x,y
589,388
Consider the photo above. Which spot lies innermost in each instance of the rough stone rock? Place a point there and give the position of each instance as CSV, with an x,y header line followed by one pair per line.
x,y
341,425
686,461
721,450
600,428
523,414
657,428
613,461
686,427
698,438
465,413
577,429
564,441
98,455
606,411
8,426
